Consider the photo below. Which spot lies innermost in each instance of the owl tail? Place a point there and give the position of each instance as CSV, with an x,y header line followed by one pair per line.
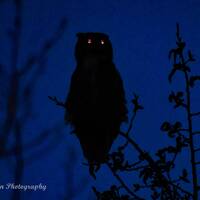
x,y
95,146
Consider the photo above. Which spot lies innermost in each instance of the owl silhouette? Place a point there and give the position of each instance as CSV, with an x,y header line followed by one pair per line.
x,y
95,105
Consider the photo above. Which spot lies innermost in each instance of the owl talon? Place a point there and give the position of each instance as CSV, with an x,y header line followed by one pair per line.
x,y
92,170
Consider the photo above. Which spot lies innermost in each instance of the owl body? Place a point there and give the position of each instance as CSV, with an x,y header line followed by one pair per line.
x,y
95,105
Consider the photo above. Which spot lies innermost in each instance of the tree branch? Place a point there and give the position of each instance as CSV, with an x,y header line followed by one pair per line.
x,y
195,114
56,101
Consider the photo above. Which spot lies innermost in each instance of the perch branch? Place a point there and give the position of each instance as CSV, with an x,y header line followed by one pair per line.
x,y
56,101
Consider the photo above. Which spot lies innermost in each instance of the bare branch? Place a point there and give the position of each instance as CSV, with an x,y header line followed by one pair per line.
x,y
197,150
195,114
196,132
56,101
48,45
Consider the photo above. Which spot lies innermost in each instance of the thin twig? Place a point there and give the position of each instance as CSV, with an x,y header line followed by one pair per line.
x,y
197,150
123,146
131,123
56,101
195,114
196,132
191,142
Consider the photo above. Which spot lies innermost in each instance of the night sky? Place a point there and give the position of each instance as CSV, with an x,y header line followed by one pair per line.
x,y
142,32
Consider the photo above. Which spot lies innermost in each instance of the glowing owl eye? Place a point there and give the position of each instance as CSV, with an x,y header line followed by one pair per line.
x,y
89,41
102,42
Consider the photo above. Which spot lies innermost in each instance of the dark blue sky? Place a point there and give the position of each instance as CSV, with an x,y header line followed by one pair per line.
x,y
142,32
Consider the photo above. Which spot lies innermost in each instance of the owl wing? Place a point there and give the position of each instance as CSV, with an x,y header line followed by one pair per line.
x,y
72,99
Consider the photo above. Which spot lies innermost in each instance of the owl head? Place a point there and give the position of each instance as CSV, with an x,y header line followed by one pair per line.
x,y
95,45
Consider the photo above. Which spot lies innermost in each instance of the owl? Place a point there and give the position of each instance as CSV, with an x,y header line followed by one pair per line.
x,y
95,105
